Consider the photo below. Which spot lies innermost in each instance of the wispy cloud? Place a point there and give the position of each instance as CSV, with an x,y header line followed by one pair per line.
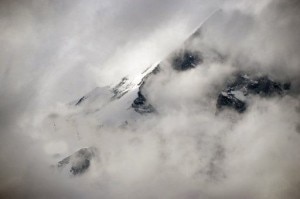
x,y
52,52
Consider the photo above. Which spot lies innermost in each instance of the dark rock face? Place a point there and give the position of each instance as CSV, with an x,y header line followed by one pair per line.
x,y
229,100
80,101
82,167
186,60
264,86
235,95
156,70
117,90
79,162
141,105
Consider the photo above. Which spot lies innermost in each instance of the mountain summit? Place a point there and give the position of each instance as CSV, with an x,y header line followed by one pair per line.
x,y
132,99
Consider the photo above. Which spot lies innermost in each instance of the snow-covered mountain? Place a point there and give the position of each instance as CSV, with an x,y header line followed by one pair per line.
x,y
127,97
129,100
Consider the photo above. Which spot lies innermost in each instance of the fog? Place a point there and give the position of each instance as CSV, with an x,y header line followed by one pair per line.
x,y
53,52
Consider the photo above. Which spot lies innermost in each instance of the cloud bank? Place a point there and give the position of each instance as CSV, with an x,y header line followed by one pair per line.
x,y
54,51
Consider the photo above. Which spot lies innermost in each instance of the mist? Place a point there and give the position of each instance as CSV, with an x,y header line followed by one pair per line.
x,y
54,52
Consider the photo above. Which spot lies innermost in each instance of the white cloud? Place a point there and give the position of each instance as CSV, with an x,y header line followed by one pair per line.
x,y
55,51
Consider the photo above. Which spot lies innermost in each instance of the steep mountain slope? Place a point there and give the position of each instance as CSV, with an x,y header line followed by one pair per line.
x,y
114,106
132,99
